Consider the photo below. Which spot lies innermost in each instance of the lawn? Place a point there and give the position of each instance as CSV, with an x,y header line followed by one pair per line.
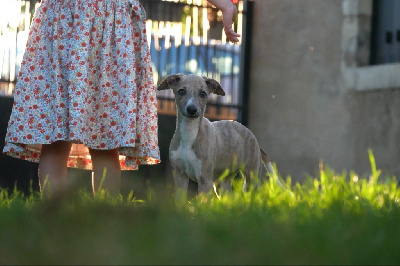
x,y
335,218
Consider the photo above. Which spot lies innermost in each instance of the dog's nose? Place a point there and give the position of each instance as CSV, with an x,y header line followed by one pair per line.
x,y
191,110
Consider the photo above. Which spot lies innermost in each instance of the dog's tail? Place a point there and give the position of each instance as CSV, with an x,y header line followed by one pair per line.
x,y
268,166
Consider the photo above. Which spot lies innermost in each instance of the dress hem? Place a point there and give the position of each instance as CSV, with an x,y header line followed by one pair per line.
x,y
127,162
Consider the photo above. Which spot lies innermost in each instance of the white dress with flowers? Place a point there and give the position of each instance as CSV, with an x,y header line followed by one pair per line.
x,y
86,78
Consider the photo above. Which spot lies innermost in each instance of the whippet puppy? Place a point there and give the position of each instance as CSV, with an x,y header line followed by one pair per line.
x,y
202,150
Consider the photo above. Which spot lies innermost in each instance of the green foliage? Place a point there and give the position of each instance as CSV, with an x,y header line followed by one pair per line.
x,y
335,218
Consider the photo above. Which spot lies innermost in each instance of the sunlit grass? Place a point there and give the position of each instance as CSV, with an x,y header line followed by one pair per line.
x,y
335,218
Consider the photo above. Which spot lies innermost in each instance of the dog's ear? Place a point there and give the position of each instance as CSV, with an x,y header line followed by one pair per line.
x,y
214,86
170,82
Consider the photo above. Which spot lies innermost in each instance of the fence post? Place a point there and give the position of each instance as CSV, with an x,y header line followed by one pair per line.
x,y
245,61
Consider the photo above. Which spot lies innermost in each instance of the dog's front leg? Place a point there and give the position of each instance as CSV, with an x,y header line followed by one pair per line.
x,y
181,182
205,184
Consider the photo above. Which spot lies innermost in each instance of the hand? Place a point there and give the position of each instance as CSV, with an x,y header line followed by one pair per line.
x,y
229,14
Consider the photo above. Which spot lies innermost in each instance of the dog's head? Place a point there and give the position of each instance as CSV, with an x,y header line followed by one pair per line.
x,y
191,92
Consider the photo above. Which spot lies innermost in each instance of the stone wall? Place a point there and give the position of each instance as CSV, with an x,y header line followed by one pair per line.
x,y
306,97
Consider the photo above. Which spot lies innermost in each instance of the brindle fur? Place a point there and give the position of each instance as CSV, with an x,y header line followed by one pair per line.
x,y
202,150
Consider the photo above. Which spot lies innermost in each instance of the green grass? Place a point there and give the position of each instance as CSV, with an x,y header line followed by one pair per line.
x,y
336,218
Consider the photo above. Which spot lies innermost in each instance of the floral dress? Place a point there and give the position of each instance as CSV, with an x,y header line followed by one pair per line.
x,y
86,78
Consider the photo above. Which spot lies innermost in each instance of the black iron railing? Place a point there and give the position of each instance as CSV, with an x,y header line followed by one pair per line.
x,y
184,36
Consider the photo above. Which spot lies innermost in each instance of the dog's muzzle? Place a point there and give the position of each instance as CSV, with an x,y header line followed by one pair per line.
x,y
192,111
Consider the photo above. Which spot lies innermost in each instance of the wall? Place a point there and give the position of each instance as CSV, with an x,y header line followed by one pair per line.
x,y
303,104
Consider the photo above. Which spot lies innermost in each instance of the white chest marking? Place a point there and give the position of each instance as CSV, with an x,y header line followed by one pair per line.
x,y
184,157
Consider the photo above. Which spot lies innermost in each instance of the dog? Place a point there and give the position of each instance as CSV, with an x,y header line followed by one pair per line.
x,y
202,150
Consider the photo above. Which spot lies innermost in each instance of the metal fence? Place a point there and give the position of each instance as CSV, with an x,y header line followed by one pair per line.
x,y
185,36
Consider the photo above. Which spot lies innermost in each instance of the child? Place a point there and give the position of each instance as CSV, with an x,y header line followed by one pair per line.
x,y
85,96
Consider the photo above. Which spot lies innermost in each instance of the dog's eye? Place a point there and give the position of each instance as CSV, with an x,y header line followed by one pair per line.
x,y
203,94
182,92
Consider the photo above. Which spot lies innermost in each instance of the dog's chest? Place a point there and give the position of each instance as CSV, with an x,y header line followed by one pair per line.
x,y
185,160
183,157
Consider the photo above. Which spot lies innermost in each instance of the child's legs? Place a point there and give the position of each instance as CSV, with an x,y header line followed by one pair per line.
x,y
53,166
109,160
